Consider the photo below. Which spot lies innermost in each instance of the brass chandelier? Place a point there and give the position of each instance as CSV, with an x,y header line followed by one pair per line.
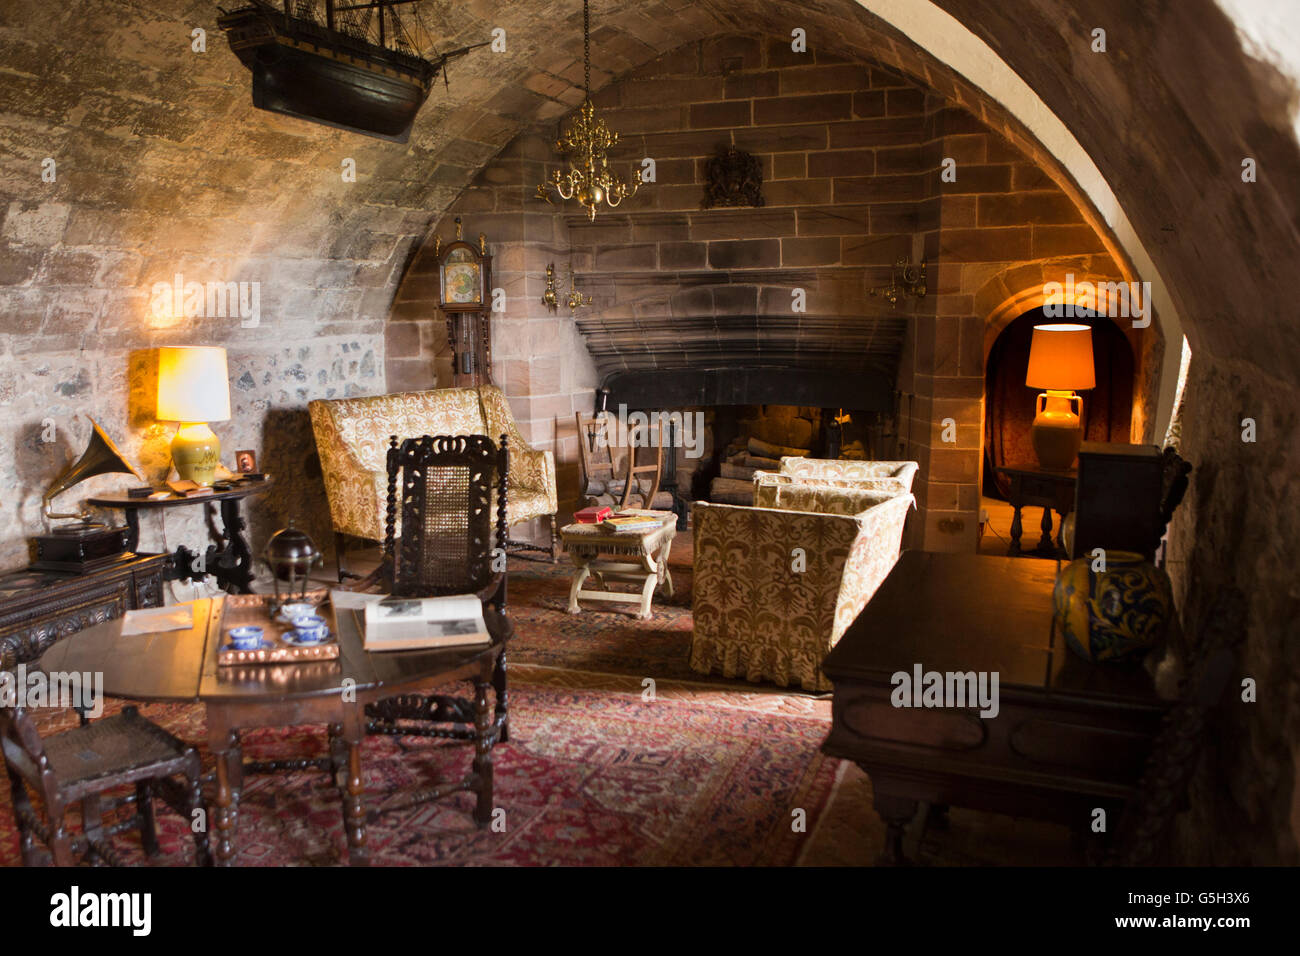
x,y
586,144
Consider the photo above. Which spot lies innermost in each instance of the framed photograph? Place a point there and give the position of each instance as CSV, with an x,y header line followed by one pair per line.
x,y
246,462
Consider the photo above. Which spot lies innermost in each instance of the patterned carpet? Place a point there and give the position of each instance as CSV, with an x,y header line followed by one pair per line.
x,y
598,771
590,777
607,639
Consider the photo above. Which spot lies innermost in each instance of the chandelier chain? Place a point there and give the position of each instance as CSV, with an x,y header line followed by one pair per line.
x,y
586,144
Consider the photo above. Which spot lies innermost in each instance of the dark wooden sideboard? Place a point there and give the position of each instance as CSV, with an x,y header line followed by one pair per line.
x,y
1069,736
38,608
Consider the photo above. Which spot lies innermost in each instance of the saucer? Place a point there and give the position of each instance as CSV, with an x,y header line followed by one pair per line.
x,y
266,645
293,640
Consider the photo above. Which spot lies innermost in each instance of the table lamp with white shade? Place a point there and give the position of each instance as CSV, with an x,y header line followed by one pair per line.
x,y
1060,361
193,390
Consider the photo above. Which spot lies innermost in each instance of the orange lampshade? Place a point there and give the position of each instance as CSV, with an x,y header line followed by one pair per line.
x,y
1060,358
193,385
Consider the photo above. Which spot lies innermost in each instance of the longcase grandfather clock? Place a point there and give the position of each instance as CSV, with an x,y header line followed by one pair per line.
x,y
465,277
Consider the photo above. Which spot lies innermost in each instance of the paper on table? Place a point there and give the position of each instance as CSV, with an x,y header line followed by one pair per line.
x,y
353,600
178,617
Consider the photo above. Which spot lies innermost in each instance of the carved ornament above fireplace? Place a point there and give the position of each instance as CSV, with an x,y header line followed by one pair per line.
x,y
735,178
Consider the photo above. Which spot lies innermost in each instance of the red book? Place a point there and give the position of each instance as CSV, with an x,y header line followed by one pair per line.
x,y
593,515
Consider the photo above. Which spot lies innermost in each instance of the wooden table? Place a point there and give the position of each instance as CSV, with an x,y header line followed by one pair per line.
x,y
228,558
1069,736
1032,486
638,557
181,666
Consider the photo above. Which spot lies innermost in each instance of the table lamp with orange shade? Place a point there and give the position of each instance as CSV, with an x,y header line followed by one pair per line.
x,y
193,390
1060,361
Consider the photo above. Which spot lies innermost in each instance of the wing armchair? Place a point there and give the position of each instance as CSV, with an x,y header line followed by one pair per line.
x,y
766,611
352,439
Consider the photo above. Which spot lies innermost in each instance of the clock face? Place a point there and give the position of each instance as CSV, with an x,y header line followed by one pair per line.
x,y
462,281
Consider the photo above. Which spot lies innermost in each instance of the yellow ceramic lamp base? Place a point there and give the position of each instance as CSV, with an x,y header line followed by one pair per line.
x,y
196,450
1056,433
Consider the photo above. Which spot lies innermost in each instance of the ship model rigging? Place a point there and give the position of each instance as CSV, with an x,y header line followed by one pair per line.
x,y
350,65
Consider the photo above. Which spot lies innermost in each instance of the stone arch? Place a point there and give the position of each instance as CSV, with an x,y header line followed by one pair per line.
x,y
1020,289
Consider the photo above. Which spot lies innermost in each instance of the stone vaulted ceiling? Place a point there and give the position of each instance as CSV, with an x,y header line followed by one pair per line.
x,y
166,139
170,136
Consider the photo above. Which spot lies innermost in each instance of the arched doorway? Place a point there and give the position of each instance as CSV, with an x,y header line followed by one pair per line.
x,y
1009,403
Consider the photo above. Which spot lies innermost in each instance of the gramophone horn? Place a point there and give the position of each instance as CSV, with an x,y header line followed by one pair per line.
x,y
101,457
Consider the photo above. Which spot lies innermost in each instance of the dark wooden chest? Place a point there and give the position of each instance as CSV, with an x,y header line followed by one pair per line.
x,y
38,608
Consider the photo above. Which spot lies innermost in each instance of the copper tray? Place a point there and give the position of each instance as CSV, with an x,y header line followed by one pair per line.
x,y
241,609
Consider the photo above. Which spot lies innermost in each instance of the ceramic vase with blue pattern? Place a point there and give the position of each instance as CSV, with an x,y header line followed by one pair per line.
x,y
1115,614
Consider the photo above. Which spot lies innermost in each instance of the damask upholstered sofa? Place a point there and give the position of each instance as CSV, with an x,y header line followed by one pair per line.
x,y
884,474
352,439
776,585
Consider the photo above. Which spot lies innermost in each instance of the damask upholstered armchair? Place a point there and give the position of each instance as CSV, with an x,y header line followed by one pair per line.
x,y
352,439
777,585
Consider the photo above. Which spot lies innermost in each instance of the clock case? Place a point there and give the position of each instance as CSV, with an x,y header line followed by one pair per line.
x,y
469,330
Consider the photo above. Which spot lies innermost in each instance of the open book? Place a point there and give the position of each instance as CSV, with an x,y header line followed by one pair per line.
x,y
403,624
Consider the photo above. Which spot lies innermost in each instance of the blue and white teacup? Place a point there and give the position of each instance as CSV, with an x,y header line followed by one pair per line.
x,y
289,612
310,628
246,638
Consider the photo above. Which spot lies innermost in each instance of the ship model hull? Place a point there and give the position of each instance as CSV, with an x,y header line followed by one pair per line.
x,y
304,70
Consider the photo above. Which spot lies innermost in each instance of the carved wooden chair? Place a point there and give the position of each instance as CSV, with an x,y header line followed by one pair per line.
x,y
449,544
80,766
600,479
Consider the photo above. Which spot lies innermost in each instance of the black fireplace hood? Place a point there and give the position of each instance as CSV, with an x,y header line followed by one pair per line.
x,y
647,389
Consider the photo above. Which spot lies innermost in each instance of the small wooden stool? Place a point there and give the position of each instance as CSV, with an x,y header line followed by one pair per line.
x,y
638,557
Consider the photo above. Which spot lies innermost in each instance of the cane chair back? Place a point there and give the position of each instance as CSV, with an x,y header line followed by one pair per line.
x,y
447,487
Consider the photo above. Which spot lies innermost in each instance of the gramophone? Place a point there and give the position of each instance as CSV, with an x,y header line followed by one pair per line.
x,y
87,544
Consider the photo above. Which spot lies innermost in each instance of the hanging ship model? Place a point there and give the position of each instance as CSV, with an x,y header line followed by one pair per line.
x,y
335,63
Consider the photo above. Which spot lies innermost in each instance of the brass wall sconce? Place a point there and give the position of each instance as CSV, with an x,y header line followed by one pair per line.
x,y
906,279
549,298
576,299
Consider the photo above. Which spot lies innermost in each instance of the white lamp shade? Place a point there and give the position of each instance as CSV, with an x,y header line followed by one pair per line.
x,y
1060,358
193,385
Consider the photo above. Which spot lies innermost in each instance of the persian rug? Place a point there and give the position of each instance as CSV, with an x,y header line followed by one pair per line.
x,y
602,639
591,776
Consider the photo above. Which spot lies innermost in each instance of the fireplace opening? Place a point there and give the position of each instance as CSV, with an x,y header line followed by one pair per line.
x,y
741,440
745,419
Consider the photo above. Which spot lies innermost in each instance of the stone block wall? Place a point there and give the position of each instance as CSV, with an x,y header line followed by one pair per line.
x,y
127,158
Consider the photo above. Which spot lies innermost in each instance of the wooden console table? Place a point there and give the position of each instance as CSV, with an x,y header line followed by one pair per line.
x,y
228,559
38,608
1032,486
1068,737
